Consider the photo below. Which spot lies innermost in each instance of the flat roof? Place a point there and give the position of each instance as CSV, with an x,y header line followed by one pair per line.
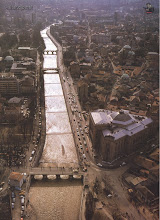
x,y
24,48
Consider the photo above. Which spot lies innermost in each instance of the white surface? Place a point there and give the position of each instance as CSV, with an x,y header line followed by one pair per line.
x,y
59,149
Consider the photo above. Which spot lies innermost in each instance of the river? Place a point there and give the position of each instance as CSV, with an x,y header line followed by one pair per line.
x,y
56,199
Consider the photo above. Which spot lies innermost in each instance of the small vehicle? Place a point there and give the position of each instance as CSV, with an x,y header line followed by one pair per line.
x,y
2,183
99,164
84,169
33,152
30,159
84,156
12,205
13,195
22,207
109,195
87,149
22,200
81,147
124,163
22,213
13,200
75,171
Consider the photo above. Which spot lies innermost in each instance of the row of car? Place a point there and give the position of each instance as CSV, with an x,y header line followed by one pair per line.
x,y
35,142
22,202
79,130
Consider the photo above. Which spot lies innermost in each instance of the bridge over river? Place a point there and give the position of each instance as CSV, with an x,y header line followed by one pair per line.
x,y
46,171
50,52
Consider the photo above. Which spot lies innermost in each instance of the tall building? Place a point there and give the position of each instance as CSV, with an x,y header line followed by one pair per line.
x,y
114,134
9,85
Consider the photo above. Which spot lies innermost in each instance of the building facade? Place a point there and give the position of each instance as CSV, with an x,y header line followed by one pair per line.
x,y
114,134
9,85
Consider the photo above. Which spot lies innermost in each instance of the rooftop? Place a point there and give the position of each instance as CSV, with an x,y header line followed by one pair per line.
x,y
16,176
119,124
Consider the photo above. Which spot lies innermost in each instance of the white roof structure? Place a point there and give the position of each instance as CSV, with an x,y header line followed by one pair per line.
x,y
24,48
9,58
127,47
101,117
120,124
152,53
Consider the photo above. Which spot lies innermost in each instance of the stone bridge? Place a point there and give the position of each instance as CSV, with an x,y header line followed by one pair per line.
x,y
50,69
59,173
50,52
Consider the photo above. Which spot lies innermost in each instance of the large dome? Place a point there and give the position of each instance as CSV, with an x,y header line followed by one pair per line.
x,y
125,76
9,58
127,47
122,117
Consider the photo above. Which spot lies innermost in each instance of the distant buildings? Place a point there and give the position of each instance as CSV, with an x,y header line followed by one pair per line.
x,y
10,85
114,134
75,69
153,60
82,88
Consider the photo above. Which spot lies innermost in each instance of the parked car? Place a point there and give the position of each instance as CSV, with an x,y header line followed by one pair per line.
x,y
12,205
84,169
22,200
81,147
13,195
30,159
33,152
75,171
99,164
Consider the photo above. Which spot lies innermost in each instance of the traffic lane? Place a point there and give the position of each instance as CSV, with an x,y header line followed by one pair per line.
x,y
71,97
82,123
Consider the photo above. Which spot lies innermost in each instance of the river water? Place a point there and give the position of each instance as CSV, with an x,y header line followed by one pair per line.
x,y
56,199
59,149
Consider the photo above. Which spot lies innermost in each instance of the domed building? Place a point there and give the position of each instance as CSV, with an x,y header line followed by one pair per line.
x,y
127,47
8,61
9,58
126,55
125,77
115,134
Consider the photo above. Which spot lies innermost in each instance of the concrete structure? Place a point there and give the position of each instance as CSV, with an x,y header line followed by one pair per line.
x,y
16,179
50,52
115,134
26,85
153,60
28,52
9,85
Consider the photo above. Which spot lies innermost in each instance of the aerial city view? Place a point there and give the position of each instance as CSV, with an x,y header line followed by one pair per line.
x,y
79,110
